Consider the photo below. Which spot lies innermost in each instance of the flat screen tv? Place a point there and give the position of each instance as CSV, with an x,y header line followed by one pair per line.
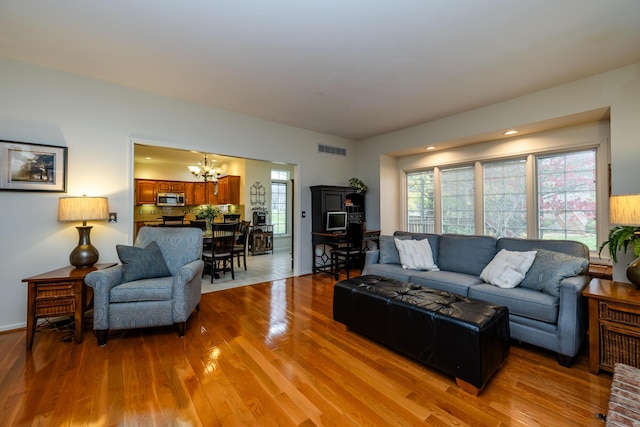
x,y
336,221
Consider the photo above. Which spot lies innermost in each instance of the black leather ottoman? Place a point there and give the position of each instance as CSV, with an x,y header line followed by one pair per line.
x,y
463,337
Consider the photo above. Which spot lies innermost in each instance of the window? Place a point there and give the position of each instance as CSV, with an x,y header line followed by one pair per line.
x,y
458,210
505,199
279,181
560,202
420,202
567,197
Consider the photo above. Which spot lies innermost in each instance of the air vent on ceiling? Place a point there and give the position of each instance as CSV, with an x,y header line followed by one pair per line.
x,y
332,150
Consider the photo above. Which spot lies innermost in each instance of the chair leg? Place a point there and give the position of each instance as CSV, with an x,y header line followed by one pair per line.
x,y
233,276
244,260
181,328
347,264
102,337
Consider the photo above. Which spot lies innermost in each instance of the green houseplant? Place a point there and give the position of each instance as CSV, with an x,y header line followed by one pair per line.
x,y
208,212
358,185
620,238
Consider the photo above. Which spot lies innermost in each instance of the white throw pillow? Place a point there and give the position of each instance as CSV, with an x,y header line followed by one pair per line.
x,y
416,254
508,268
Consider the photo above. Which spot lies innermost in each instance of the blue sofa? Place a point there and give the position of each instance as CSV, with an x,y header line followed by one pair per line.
x,y
556,320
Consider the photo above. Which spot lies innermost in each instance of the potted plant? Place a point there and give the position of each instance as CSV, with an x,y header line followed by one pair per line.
x,y
358,185
620,238
208,212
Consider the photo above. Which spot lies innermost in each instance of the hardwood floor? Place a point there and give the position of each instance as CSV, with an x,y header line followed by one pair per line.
x,y
271,354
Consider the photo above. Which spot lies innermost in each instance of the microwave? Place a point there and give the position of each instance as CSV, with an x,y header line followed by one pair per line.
x,y
170,199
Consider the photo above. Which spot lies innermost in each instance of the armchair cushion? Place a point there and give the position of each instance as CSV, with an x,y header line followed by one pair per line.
x,y
142,263
156,289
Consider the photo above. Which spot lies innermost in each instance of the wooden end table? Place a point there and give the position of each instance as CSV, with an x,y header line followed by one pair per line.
x,y
614,324
57,293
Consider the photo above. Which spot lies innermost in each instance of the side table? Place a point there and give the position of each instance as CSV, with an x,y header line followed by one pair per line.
x,y
614,324
56,293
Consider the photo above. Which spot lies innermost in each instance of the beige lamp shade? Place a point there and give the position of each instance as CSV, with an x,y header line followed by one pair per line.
x,y
83,209
624,209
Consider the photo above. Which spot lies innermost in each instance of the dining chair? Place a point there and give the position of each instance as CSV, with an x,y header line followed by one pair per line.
x,y
199,223
241,247
345,255
172,220
220,256
231,217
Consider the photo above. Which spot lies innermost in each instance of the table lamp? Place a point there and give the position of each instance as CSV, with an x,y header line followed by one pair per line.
x,y
83,209
625,210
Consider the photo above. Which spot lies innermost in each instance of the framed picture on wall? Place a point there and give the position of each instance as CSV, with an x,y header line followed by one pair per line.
x,y
32,167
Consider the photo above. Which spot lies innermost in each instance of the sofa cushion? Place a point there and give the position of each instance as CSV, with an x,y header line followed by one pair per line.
x,y
570,247
508,268
548,270
392,271
448,281
416,254
142,263
388,250
156,289
465,254
434,240
520,301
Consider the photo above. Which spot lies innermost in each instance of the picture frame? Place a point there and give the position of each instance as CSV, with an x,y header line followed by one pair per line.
x,y
25,166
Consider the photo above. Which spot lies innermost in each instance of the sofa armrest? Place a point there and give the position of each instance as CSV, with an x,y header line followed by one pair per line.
x,y
573,316
372,257
102,281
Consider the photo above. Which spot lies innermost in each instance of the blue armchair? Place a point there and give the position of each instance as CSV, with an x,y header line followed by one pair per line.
x,y
156,301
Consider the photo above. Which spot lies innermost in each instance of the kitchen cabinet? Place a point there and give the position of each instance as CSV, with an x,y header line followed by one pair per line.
x,y
195,193
145,192
171,187
229,190
225,191
189,193
211,193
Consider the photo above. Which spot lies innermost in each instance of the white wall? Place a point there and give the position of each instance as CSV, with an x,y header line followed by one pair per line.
x,y
618,90
98,121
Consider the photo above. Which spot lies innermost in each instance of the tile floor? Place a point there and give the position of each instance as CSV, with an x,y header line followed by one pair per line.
x,y
260,268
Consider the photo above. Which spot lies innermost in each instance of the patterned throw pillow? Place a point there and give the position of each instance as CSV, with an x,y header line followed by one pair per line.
x,y
549,268
416,254
508,268
139,263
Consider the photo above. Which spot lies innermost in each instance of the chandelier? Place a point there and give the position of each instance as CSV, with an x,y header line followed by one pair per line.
x,y
204,170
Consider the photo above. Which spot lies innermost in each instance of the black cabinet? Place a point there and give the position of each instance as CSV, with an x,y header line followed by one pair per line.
x,y
326,198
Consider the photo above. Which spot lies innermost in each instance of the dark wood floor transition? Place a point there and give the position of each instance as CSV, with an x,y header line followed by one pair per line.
x,y
271,354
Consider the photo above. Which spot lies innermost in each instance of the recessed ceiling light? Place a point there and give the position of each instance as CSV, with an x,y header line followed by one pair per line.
x,y
431,147
511,132
147,158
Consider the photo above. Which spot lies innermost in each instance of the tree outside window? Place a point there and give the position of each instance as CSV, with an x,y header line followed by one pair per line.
x,y
458,200
505,199
567,197
420,206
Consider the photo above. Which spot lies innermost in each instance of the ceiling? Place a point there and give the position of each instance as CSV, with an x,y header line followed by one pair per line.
x,y
160,156
355,69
